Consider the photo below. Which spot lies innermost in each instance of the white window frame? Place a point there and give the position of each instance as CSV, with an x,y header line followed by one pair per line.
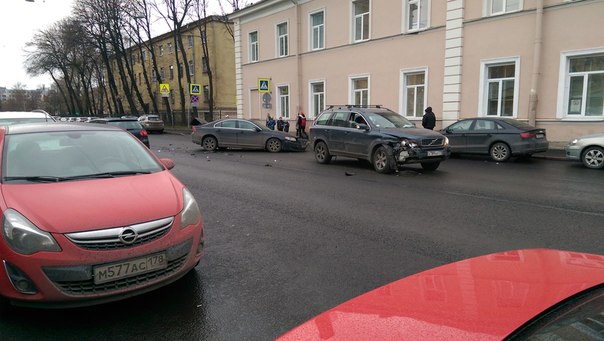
x,y
312,98
282,40
161,50
362,17
564,86
403,91
190,40
352,91
422,5
484,83
283,109
191,66
488,7
253,46
320,34
170,49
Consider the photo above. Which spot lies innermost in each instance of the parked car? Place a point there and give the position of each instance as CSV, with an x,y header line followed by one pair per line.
x,y
80,225
500,138
244,134
516,295
588,149
378,135
130,124
14,117
152,123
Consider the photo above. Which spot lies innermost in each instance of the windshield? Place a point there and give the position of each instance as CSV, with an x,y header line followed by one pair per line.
x,y
388,120
59,156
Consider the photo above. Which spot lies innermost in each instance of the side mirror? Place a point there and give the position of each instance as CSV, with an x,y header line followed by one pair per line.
x,y
257,129
362,126
168,163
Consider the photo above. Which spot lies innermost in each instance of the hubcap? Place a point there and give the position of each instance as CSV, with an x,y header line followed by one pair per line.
x,y
320,152
500,152
594,158
380,160
208,144
273,145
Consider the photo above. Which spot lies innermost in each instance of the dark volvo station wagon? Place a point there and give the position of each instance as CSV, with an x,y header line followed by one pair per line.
x,y
378,135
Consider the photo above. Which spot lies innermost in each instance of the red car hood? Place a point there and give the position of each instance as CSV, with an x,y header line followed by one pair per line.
x,y
73,206
481,298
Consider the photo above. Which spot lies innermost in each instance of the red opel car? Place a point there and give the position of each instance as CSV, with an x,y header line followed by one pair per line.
x,y
535,294
90,215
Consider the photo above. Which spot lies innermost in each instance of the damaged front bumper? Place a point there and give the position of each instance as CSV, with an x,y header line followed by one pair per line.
x,y
415,154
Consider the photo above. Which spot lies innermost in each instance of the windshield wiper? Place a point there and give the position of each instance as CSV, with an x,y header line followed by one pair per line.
x,y
40,178
106,175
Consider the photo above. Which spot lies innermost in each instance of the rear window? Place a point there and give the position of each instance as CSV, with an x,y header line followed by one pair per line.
x,y
153,118
324,118
519,124
131,125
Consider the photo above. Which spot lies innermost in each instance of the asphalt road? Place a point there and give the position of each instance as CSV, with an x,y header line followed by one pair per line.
x,y
288,238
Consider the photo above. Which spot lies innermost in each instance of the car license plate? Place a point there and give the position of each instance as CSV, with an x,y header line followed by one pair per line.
x,y
539,136
435,152
133,267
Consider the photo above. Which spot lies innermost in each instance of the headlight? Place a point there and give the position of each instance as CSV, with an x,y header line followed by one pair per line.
x,y
289,138
446,141
574,142
408,143
24,237
190,213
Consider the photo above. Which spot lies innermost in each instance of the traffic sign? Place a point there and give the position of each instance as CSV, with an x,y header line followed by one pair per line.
x,y
194,99
264,85
195,89
164,89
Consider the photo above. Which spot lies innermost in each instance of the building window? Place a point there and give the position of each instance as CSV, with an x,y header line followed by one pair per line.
x,y
191,68
283,93
181,69
162,74
317,99
282,41
585,86
361,19
253,40
161,50
190,39
317,34
204,64
140,77
417,14
154,75
499,90
169,48
496,7
171,71
414,93
143,55
206,94
360,90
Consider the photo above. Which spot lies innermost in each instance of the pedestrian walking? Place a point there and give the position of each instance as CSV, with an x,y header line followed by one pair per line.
x,y
286,126
429,119
303,126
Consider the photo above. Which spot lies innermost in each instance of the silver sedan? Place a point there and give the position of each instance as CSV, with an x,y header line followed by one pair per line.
x,y
244,134
588,149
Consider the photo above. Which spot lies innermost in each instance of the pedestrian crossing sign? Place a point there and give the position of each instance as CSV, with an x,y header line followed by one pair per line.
x,y
264,85
195,89
164,89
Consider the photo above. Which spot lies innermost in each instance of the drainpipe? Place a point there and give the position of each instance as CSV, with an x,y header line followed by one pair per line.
x,y
298,56
534,95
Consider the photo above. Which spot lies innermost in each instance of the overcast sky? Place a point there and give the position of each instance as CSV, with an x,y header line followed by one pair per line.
x,y
19,21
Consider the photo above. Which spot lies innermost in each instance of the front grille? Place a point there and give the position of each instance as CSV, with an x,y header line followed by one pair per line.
x,y
435,142
109,239
88,287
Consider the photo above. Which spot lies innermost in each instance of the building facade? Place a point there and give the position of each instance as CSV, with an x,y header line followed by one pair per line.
x,y
540,61
220,61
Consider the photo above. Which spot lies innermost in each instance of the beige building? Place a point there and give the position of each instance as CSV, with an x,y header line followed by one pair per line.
x,y
221,61
540,61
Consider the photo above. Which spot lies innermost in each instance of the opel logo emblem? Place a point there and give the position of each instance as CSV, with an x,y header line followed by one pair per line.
x,y
128,236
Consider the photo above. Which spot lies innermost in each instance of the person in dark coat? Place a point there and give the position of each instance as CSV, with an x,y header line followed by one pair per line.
x,y
280,124
429,119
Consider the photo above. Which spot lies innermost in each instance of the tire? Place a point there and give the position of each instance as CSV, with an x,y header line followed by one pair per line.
x,y
593,157
322,153
500,152
430,166
274,145
209,143
382,160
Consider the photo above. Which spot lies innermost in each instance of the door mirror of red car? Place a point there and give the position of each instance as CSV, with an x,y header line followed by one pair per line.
x,y
168,163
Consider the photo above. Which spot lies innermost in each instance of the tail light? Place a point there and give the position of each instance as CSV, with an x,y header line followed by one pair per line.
x,y
528,135
144,133
194,128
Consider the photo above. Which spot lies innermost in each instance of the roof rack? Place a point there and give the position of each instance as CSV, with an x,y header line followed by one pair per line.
x,y
331,106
